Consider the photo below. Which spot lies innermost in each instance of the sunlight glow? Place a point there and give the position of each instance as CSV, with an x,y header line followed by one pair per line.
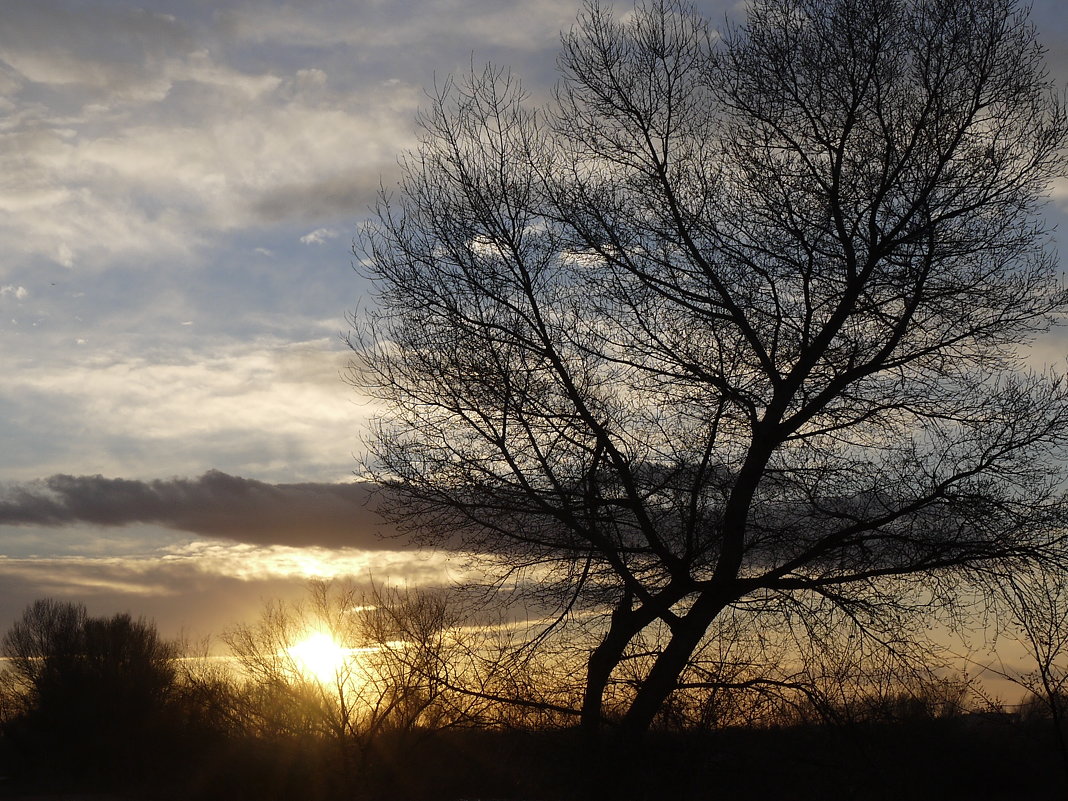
x,y
320,656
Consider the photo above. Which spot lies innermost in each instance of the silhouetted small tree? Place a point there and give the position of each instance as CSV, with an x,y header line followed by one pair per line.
x,y
383,677
95,692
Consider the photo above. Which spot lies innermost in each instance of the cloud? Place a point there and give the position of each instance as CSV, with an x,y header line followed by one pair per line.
x,y
214,505
204,587
131,137
329,197
383,24
169,145
272,410
318,236
17,292
112,49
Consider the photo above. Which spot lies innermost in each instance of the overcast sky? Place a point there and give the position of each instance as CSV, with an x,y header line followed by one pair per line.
x,y
180,184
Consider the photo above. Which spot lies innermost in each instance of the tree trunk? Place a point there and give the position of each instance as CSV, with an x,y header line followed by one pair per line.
x,y
663,678
1056,710
599,669
624,626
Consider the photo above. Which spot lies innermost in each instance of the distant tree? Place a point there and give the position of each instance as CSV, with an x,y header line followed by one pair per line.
x,y
446,662
763,670
285,695
408,662
737,321
1036,603
95,692
421,649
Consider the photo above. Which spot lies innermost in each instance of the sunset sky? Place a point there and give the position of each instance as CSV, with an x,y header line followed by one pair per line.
x,y
180,185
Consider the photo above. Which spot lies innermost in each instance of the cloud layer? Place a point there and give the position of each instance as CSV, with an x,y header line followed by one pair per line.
x,y
205,587
140,135
214,505
275,410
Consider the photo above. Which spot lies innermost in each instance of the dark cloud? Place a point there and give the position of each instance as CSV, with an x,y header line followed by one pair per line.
x,y
214,505
327,199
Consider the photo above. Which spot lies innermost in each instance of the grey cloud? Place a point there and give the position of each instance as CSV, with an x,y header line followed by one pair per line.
x,y
61,43
326,199
77,26
181,598
213,505
380,24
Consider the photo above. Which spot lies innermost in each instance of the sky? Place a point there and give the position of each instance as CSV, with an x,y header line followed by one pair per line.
x,y
180,185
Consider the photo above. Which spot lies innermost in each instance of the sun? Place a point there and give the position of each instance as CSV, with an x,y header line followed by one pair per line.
x,y
319,655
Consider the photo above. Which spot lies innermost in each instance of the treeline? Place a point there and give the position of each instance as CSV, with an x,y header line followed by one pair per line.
x,y
430,701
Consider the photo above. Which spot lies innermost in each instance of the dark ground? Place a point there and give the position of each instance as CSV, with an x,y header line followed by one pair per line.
x,y
938,760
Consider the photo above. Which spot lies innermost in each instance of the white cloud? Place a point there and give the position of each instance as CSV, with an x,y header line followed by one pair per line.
x,y
200,67
1059,191
17,292
318,236
210,149
252,562
272,411
64,255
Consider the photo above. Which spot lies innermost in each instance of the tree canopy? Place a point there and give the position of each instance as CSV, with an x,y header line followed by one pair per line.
x,y
737,322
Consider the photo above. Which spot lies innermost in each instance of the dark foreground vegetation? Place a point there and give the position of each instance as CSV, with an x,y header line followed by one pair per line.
x,y
105,706
960,758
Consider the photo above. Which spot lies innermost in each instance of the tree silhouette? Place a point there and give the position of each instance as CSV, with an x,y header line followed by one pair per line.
x,y
95,691
735,322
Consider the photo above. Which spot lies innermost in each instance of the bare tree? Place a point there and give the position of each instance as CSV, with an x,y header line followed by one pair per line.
x,y
48,638
291,692
1036,602
738,318
395,661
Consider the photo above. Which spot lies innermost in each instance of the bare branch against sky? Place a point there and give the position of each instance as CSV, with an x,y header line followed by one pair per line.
x,y
181,185
734,324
